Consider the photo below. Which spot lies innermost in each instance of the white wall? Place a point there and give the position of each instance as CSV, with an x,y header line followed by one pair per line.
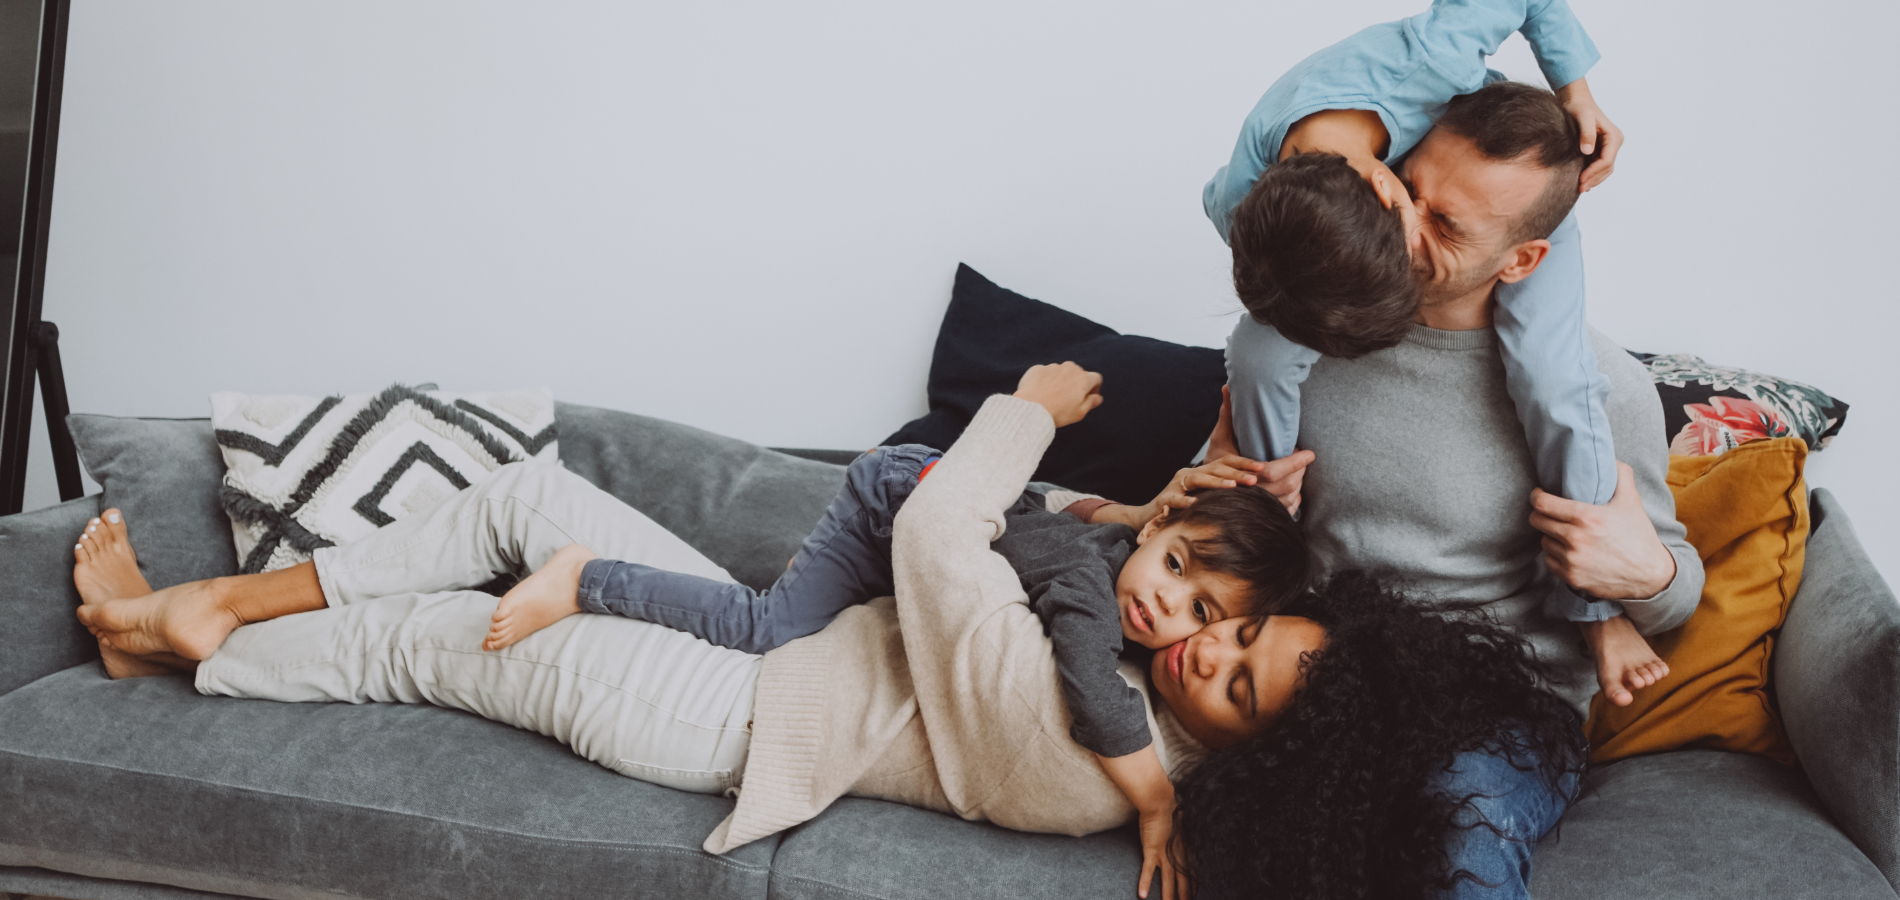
x,y
746,215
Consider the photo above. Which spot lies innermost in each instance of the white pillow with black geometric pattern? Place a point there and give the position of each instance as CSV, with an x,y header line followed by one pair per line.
x,y
309,472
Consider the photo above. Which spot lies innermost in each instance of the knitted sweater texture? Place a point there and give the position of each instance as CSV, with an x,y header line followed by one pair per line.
x,y
947,697
1424,475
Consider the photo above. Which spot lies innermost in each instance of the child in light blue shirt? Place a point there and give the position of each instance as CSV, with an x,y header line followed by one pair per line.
x,y
1406,73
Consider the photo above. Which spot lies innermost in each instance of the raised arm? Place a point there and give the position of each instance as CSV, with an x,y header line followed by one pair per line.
x,y
983,671
1459,34
1405,71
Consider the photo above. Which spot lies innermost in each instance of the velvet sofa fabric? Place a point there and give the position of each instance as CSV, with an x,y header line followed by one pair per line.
x,y
1837,680
144,789
1699,825
38,632
310,799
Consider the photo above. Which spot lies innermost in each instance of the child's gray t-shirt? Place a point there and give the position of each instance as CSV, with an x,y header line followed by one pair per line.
x,y
1068,568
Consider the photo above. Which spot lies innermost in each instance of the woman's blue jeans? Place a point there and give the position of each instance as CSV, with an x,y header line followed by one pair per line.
x,y
1509,811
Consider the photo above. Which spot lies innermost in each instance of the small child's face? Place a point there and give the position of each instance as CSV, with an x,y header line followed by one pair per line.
x,y
1165,595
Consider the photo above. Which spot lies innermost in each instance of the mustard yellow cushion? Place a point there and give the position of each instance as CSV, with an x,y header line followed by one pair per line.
x,y
1746,511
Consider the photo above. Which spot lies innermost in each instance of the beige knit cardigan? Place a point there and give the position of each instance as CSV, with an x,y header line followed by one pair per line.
x,y
947,699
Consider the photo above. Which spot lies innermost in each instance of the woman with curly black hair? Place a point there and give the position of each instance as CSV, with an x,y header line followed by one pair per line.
x,y
1407,748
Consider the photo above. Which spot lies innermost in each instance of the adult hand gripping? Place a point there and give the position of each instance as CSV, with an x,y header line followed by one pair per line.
x,y
1282,477
1610,552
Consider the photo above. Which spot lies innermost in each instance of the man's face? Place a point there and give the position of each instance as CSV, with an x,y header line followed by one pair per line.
x,y
1465,205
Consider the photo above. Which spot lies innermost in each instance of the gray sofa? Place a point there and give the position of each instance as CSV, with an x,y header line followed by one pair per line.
x,y
144,789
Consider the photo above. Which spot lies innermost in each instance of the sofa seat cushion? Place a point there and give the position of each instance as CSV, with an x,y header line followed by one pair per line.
x,y
862,848
1700,824
293,800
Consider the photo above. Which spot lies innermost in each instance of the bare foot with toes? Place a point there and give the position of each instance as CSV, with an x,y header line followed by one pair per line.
x,y
189,620
106,569
1625,661
540,600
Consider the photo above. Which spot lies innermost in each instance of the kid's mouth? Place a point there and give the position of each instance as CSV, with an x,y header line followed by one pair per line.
x,y
1140,617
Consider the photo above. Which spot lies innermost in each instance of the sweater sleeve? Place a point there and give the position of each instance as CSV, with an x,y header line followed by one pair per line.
x,y
982,669
1636,420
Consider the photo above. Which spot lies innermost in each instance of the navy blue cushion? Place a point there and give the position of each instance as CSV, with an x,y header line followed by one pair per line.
x,y
1160,400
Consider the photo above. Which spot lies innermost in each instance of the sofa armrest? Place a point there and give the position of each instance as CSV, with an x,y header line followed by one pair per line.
x,y
1837,679
39,634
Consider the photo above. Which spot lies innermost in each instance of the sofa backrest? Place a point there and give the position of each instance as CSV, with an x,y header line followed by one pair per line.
x,y
744,506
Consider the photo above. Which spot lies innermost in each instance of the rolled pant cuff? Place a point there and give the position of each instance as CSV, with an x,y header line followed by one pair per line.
x,y
1573,606
593,581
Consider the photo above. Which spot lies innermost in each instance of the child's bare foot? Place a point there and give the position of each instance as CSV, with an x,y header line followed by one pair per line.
x,y
540,600
1624,659
189,621
106,569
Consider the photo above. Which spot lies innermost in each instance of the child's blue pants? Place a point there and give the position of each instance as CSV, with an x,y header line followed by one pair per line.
x,y
846,560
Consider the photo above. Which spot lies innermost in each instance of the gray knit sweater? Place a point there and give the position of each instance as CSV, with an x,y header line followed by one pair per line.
x,y
1423,473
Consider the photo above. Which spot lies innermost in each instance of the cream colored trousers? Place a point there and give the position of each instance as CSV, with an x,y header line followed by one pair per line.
x,y
404,627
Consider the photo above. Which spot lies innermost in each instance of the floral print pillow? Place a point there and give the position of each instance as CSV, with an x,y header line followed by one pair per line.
x,y
1708,409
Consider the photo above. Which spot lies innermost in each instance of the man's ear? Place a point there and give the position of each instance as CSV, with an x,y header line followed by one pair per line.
x,y
1391,191
1523,260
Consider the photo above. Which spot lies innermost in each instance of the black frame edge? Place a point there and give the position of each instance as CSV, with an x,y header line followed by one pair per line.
x,y
16,400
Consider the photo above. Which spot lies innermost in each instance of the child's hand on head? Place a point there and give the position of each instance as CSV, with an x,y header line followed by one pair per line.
x,y
1067,391
1597,130
1226,472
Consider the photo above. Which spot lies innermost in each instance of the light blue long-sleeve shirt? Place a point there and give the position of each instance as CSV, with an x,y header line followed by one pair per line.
x,y
1405,71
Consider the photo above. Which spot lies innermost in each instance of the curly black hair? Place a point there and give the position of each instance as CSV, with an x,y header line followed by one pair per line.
x,y
1338,797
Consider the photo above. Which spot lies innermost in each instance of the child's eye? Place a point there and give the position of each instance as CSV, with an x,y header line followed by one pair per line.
x,y
1200,611
1174,564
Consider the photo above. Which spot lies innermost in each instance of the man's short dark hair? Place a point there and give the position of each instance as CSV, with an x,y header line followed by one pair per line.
x,y
1509,120
1319,257
1253,539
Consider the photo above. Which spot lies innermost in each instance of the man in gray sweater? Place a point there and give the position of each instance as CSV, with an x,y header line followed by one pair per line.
x,y
1414,465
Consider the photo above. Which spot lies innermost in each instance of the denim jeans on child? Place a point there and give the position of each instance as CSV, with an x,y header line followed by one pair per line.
x,y
846,560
